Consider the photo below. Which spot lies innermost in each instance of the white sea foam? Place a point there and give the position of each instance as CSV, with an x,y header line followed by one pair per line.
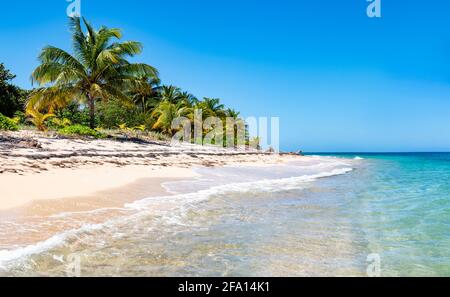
x,y
57,240
181,200
268,185
358,158
92,212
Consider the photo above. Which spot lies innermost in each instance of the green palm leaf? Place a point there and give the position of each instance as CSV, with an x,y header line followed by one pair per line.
x,y
97,70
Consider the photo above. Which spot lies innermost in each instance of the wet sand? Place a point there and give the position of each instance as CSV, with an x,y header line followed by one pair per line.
x,y
83,209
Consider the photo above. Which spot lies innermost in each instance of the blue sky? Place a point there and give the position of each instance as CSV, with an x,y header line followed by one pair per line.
x,y
338,80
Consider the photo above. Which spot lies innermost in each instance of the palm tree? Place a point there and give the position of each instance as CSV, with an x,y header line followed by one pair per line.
x,y
146,95
38,119
98,70
167,112
189,99
236,130
231,113
171,94
212,107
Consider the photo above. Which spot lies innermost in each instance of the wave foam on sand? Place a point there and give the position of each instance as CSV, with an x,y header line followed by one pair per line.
x,y
180,200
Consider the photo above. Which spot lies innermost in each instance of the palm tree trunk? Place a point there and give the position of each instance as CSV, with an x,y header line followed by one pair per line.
x,y
91,103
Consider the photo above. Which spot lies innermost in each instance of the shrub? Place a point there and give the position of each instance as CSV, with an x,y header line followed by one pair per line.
x,y
20,117
113,113
75,113
7,124
81,131
60,123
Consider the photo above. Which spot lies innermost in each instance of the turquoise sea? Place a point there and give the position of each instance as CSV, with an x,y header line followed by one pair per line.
x,y
400,203
331,215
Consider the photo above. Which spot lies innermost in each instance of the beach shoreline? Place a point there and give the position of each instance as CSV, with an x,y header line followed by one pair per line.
x,y
61,196
37,167
152,211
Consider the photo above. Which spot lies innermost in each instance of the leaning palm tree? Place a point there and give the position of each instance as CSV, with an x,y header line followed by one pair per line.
x,y
98,70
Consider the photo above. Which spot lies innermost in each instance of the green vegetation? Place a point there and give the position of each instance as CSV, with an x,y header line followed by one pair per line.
x,y
98,70
81,130
39,119
113,113
12,98
60,123
166,112
96,86
20,117
8,124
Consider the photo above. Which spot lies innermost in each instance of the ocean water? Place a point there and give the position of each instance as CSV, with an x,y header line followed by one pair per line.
x,y
326,216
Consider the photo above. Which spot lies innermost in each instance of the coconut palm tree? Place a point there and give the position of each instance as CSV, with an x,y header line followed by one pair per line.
x,y
97,70
167,112
171,94
231,113
189,99
212,107
236,130
146,95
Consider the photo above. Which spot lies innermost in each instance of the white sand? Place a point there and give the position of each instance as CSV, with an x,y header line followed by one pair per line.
x,y
17,190
66,168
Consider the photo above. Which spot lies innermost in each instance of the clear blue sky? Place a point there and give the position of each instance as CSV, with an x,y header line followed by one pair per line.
x,y
338,80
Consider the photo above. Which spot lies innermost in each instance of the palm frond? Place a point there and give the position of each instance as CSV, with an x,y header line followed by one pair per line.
x,y
97,70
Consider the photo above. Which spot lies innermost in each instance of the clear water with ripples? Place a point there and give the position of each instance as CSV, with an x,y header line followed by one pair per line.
x,y
322,217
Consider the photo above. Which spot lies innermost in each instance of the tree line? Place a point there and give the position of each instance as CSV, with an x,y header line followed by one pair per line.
x,y
97,87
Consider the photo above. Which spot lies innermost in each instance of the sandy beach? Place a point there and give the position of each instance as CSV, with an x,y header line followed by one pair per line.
x,y
216,140
150,208
42,167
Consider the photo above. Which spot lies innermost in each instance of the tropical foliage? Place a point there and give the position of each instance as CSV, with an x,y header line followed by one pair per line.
x,y
60,122
12,98
97,70
165,114
8,124
212,107
81,130
96,85
113,113
146,95
39,119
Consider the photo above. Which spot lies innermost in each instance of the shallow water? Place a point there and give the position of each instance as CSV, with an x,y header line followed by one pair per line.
x,y
320,217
